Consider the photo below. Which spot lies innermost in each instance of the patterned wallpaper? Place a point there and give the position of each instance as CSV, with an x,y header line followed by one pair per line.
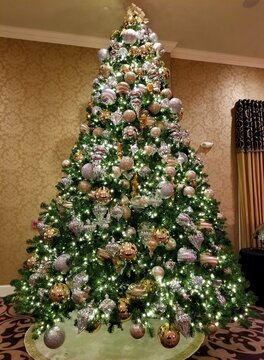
x,y
44,89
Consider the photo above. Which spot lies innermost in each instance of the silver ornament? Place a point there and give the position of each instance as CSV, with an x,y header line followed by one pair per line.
x,y
196,239
122,53
54,337
33,278
117,212
166,190
170,265
62,263
175,285
130,36
87,171
186,255
84,316
176,105
103,54
183,322
112,247
107,305
116,117
76,226
66,181
79,280
183,219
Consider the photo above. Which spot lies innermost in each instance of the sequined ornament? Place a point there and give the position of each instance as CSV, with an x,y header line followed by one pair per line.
x,y
62,263
196,239
59,293
54,337
50,234
137,330
103,194
107,305
161,235
76,226
168,335
183,323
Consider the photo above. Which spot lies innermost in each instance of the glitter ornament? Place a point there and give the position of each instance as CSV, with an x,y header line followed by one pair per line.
x,y
137,331
32,261
183,323
107,305
166,190
84,186
59,293
116,212
128,251
103,54
175,105
130,36
196,239
76,226
161,236
129,115
87,171
62,263
168,335
54,337
189,191
186,255
84,316
103,194
126,163
105,70
158,272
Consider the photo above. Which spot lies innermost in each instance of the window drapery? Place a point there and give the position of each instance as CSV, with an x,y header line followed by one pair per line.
x,y
249,128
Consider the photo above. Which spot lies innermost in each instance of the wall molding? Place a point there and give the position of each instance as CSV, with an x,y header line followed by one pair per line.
x,y
6,290
97,43
214,57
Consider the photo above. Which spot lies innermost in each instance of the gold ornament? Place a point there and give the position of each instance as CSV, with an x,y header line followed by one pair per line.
x,y
123,309
119,149
50,233
105,115
147,285
134,51
103,194
161,235
152,245
212,328
134,186
103,254
128,251
150,87
84,186
135,15
105,70
136,291
144,50
125,184
124,68
126,212
139,72
32,261
80,296
168,335
59,293
115,33
84,128
78,156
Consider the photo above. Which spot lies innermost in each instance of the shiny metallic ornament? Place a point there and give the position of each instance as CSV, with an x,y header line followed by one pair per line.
x,y
186,255
62,263
54,337
59,293
137,331
107,305
103,54
87,171
130,36
128,251
157,272
176,105
168,335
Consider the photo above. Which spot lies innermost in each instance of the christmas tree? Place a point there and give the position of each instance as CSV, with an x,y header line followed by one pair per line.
x,y
134,232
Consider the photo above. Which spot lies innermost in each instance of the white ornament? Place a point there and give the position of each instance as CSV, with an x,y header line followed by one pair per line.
x,y
130,36
103,54
175,105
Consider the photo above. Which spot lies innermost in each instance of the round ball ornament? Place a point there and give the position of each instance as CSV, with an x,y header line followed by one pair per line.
x,y
175,105
168,335
87,171
155,108
130,231
54,337
170,244
126,163
128,251
126,212
62,263
98,132
170,171
157,272
191,175
137,331
59,293
130,77
189,191
166,190
103,54
166,93
155,132
66,163
84,186
208,193
130,36
129,116
32,261
116,171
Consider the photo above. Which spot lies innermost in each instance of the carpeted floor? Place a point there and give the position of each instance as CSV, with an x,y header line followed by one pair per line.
x,y
232,343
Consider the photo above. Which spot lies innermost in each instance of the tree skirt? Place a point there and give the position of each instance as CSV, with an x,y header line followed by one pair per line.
x,y
116,346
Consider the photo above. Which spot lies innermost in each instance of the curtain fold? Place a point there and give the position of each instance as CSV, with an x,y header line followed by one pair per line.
x,y
249,127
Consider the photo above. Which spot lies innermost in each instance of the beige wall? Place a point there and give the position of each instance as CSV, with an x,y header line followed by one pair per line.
x,y
44,89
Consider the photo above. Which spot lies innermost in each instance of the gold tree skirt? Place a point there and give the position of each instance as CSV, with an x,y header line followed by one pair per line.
x,y
116,346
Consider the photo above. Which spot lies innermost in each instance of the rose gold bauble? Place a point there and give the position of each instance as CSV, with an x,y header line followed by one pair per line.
x,y
166,93
128,251
116,171
126,163
190,175
137,331
212,328
126,212
155,132
189,191
125,184
168,335
66,163
170,171
129,115
59,293
130,77
98,132
84,186
155,108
